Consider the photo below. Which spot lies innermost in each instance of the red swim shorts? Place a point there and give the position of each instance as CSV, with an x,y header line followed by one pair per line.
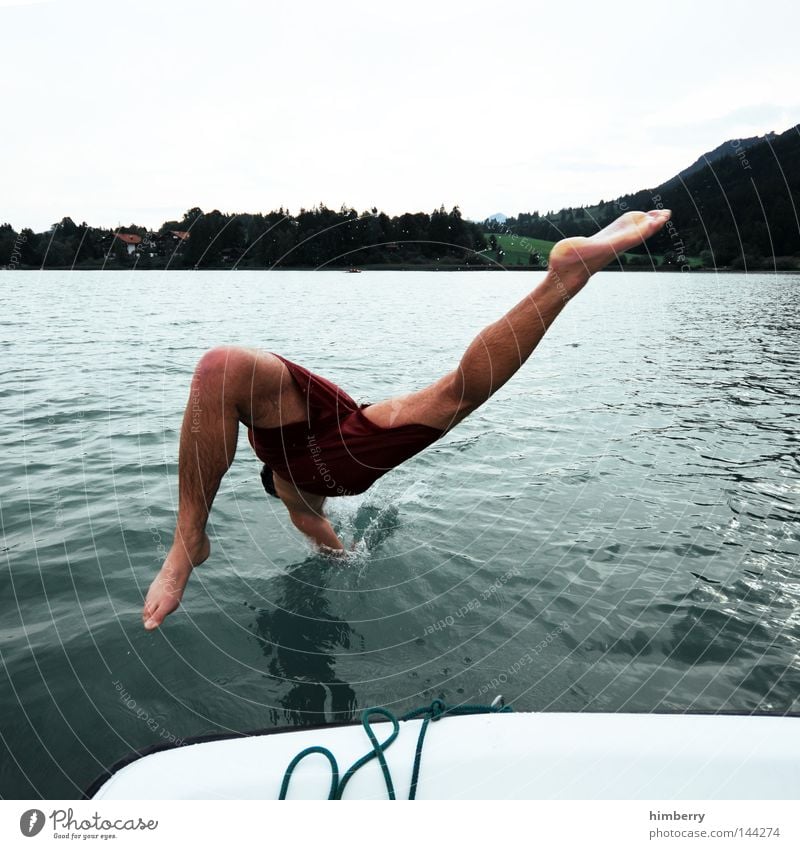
x,y
338,451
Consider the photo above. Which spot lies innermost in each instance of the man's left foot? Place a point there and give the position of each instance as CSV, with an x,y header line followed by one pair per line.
x,y
574,260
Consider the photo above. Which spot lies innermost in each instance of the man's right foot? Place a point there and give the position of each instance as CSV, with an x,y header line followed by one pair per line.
x,y
166,591
574,260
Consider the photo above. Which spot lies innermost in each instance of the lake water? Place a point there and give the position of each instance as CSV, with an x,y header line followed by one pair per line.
x,y
616,530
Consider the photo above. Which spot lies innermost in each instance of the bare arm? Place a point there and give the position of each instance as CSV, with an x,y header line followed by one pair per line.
x,y
307,515
318,529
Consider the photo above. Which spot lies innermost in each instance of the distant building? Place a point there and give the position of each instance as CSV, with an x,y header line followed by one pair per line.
x,y
130,240
172,242
149,244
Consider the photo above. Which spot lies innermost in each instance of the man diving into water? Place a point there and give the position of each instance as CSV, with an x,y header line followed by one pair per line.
x,y
316,442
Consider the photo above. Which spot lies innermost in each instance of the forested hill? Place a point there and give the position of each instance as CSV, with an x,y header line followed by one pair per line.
x,y
739,207
724,150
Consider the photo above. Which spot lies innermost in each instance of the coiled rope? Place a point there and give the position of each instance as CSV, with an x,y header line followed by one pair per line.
x,y
433,713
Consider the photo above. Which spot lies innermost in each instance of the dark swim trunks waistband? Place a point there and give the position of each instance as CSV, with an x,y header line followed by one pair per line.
x,y
267,481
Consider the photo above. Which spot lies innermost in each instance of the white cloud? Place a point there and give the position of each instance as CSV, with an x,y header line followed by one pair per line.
x,y
23,2
120,112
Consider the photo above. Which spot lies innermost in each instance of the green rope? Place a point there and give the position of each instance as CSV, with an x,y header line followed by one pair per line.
x,y
377,750
312,750
432,713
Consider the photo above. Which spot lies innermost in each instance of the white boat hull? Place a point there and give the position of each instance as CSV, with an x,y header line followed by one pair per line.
x,y
494,756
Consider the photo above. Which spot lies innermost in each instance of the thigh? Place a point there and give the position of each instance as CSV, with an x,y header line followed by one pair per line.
x,y
266,391
438,405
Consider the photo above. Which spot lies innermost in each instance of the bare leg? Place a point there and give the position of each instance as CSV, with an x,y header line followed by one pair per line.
x,y
229,385
499,351
502,347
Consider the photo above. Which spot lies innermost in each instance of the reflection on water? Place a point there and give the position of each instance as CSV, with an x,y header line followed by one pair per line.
x,y
299,634
300,638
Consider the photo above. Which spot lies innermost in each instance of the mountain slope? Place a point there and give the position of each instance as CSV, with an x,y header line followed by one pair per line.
x,y
732,147
740,210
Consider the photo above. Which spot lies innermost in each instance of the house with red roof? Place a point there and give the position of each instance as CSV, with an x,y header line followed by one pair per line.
x,y
130,240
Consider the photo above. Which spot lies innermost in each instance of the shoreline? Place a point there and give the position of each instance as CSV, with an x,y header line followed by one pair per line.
x,y
444,268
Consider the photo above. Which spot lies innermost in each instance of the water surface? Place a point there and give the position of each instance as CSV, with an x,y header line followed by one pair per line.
x,y
616,530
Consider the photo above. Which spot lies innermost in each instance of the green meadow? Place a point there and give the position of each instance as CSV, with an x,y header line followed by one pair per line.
x,y
517,251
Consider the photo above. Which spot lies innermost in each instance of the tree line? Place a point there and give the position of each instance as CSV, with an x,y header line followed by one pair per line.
x,y
741,209
313,238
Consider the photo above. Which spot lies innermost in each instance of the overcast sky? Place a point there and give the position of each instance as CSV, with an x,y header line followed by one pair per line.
x,y
133,112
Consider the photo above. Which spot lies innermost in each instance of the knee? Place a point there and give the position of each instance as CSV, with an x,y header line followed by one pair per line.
x,y
220,365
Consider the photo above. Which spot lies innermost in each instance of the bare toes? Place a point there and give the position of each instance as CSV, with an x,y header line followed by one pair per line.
x,y
154,619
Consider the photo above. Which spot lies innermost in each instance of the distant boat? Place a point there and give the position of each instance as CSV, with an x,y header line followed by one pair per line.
x,y
354,270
